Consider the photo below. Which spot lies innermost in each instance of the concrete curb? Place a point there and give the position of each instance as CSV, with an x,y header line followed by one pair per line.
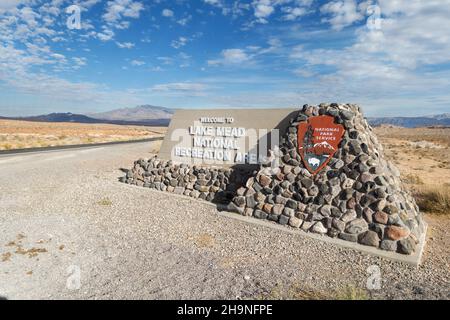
x,y
414,259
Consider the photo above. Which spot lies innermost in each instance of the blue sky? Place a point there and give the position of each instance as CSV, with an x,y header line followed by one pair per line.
x,y
392,57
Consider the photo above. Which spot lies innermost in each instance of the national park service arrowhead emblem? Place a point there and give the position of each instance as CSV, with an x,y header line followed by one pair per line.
x,y
318,140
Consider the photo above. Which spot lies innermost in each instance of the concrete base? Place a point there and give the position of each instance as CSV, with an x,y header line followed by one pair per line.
x,y
413,259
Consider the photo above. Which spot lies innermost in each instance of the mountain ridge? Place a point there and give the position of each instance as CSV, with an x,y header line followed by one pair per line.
x,y
80,118
149,115
412,122
139,113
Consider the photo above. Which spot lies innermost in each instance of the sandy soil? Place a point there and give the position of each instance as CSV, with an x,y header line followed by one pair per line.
x,y
26,134
421,154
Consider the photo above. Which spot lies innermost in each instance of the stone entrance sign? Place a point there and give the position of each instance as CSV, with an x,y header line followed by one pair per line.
x,y
224,137
329,176
318,141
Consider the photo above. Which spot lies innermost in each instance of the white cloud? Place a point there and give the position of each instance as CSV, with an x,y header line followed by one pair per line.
x,y
231,56
79,61
263,9
6,5
181,89
230,8
401,59
184,21
292,14
84,4
343,13
167,13
291,9
165,60
137,62
105,35
180,42
235,55
125,45
179,86
212,2
117,9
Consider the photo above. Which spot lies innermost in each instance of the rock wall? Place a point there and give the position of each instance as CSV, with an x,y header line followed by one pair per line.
x,y
211,184
357,197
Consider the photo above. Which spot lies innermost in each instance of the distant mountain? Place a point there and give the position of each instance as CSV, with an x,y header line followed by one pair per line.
x,y
56,117
139,113
79,118
412,122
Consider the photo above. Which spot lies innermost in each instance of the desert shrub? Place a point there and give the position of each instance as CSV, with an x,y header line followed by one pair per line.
x,y
434,200
352,293
412,179
105,202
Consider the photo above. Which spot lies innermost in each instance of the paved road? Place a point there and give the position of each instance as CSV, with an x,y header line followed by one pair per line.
x,y
73,146
69,229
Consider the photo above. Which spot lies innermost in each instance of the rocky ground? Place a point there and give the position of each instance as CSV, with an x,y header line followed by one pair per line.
x,y
69,229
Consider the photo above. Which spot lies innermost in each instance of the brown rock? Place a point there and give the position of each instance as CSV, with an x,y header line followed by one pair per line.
x,y
381,217
396,233
268,207
351,203
280,176
264,180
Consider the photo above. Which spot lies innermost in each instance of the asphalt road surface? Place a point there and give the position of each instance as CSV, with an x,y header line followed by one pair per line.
x,y
70,230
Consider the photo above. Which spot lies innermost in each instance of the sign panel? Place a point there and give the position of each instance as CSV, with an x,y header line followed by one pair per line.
x,y
224,137
318,140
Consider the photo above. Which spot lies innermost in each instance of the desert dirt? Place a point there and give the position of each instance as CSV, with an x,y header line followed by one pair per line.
x,y
72,219
421,154
16,134
71,230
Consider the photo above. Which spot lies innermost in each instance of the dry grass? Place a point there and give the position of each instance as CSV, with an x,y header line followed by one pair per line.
x,y
204,240
296,291
352,293
33,252
434,200
293,291
25,134
105,202
411,178
6,256
422,155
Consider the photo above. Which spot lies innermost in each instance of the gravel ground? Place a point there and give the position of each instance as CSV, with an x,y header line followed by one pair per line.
x,y
70,230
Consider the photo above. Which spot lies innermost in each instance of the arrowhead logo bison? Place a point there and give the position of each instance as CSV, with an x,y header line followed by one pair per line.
x,y
318,140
